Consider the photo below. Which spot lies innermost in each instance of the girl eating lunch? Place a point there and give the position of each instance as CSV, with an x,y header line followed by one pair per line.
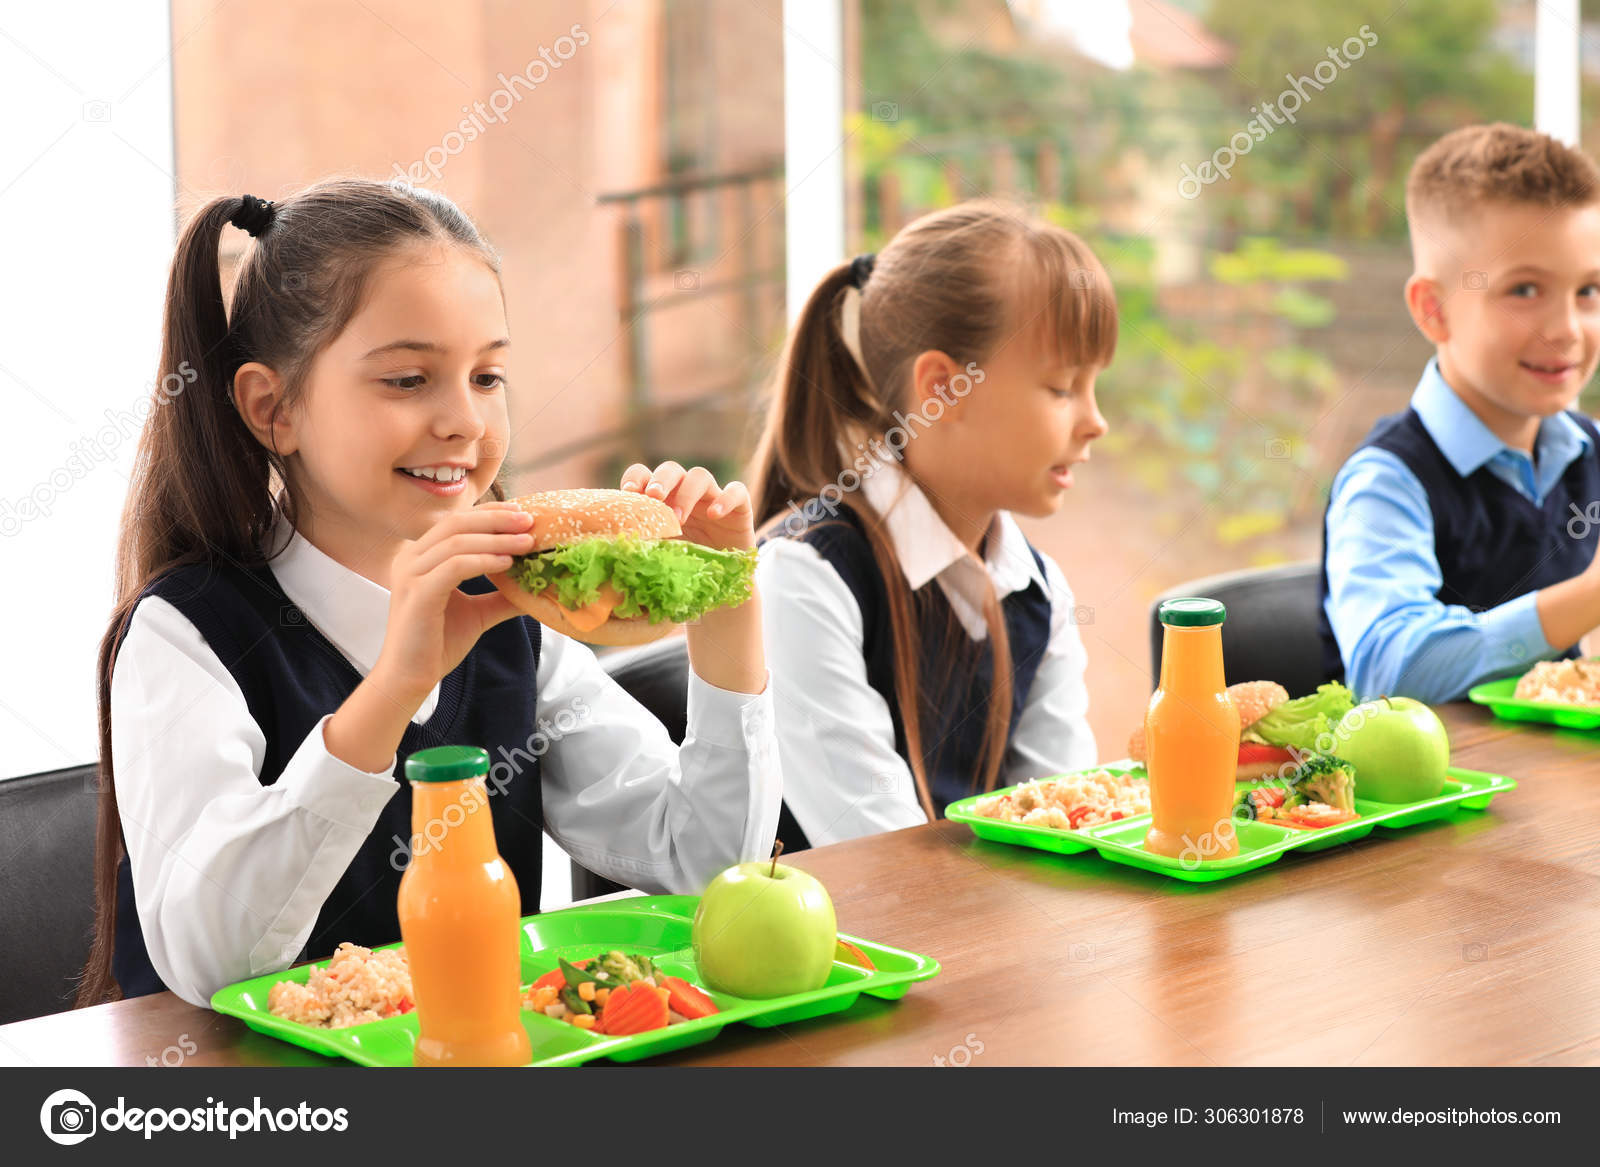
x,y
922,649
302,603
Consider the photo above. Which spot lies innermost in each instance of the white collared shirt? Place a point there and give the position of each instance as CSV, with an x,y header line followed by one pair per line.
x,y
229,875
842,775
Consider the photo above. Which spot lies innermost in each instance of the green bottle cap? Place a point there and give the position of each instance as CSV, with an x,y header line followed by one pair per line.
x,y
1192,612
447,764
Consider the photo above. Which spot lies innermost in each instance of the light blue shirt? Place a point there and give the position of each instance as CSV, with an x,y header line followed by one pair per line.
x,y
1394,634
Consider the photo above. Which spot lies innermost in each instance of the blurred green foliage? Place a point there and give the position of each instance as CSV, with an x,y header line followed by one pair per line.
x,y
1213,406
1212,387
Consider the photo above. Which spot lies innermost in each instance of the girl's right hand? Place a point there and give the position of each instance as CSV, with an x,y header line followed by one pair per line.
x,y
432,626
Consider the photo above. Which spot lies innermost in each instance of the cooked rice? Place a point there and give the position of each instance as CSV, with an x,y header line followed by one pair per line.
x,y
1567,682
355,987
1048,802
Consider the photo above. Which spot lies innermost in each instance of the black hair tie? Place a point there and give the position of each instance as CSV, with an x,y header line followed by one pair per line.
x,y
253,216
861,268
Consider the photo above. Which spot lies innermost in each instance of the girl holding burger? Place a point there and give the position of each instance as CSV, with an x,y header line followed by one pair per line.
x,y
302,602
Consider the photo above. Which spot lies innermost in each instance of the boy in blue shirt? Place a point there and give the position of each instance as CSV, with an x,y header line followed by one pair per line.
x,y
1459,540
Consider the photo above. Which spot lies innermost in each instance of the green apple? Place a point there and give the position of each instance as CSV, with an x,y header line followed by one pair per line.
x,y
764,930
1398,747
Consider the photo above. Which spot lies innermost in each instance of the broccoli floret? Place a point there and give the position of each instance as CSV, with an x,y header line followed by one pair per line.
x,y
626,968
1323,778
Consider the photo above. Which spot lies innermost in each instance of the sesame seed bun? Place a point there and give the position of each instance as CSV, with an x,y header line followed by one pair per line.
x,y
564,517
561,517
1256,699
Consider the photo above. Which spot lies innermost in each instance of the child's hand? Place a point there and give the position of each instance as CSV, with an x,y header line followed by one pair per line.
x,y
432,626
711,515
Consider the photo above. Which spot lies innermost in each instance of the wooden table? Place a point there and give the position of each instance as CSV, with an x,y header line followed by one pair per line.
x,y
1466,942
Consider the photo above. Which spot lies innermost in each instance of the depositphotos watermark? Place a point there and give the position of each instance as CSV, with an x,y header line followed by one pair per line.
x,y
89,452
482,114
1269,115
69,1117
1584,521
174,1055
872,456
501,773
961,1055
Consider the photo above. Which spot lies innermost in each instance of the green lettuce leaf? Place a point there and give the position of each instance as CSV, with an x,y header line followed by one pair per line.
x,y
669,580
1297,724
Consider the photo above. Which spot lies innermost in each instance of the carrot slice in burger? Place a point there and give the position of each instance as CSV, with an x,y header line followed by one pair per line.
x,y
596,612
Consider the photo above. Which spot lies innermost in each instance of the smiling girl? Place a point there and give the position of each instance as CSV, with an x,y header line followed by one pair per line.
x,y
302,603
921,647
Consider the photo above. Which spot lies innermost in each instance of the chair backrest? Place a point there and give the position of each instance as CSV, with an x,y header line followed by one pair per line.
x,y
47,830
1272,632
657,676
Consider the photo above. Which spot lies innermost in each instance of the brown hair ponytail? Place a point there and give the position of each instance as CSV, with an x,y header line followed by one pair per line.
x,y
958,281
203,488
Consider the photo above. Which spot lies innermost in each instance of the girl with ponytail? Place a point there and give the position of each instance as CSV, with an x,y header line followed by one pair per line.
x,y
302,602
922,649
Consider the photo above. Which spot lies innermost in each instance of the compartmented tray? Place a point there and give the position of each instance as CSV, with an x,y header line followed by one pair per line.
x,y
657,926
1259,843
1500,696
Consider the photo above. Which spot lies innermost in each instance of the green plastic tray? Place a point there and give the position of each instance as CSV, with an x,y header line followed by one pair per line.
x,y
1500,696
658,926
1259,843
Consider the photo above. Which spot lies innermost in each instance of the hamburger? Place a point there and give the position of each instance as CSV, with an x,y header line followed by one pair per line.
x,y
1273,730
610,567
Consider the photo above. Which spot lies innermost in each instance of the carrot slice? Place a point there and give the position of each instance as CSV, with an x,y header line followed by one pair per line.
x,y
687,1001
635,1009
850,954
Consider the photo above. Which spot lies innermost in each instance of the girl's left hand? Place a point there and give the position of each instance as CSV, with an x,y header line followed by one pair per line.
x,y
711,515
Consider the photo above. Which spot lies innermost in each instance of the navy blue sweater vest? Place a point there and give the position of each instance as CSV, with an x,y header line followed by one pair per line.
x,y
292,676
1492,544
957,672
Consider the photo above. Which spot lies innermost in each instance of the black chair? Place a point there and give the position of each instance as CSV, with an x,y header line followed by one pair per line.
x,y
47,829
1273,631
657,676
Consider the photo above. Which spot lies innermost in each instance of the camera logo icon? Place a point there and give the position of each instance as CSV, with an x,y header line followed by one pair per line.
x,y
686,280
1475,281
68,1117
886,111
97,111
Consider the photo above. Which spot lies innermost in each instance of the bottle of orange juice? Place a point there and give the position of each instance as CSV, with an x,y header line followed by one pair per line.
x,y
1192,738
459,913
